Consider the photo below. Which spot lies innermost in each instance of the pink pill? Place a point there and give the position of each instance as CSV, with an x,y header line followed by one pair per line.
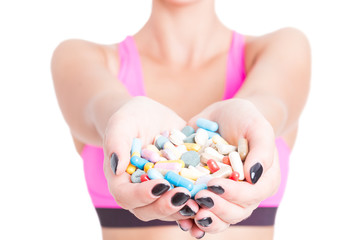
x,y
150,155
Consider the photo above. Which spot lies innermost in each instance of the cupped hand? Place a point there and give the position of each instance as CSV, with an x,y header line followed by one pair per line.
x,y
142,118
226,201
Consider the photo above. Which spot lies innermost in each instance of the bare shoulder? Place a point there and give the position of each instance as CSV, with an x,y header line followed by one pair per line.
x,y
79,53
281,42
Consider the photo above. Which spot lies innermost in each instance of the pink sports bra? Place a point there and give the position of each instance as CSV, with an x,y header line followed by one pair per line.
x,y
130,75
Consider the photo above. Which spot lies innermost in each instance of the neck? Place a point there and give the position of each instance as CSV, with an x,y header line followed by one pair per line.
x,y
183,34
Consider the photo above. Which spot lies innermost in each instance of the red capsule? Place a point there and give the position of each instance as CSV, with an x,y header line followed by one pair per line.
x,y
226,160
144,178
213,166
235,176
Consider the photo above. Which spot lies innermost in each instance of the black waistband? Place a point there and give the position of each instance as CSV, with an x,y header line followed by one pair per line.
x,y
114,217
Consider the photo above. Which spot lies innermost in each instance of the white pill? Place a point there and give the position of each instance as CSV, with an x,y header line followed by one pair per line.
x,y
243,148
218,139
237,164
202,169
177,137
223,172
201,137
225,148
191,173
204,179
215,154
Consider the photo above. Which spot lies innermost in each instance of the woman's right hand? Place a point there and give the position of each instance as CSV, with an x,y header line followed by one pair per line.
x,y
142,118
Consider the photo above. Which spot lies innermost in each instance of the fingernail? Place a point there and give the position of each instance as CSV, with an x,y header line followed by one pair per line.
x,y
187,211
185,230
179,199
216,189
201,236
206,202
160,189
255,172
114,162
205,222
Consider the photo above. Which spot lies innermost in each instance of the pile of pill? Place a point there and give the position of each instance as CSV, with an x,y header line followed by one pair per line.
x,y
187,158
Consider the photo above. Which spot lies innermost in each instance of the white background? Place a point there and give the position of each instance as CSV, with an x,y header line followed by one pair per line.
x,y
43,193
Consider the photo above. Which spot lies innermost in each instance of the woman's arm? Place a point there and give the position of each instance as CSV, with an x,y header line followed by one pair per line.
x,y
278,79
88,93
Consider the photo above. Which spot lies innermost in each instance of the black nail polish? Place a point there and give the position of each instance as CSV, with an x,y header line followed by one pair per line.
x,y
179,199
201,236
216,189
255,172
205,222
160,189
185,230
187,211
206,202
114,162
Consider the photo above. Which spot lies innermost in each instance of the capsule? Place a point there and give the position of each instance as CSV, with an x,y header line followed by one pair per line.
x,y
177,137
207,124
178,180
168,154
144,178
215,154
136,146
154,174
138,162
192,147
218,139
130,169
224,172
234,176
226,160
201,137
243,148
150,155
213,166
237,164
168,166
147,166
225,148
197,188
191,173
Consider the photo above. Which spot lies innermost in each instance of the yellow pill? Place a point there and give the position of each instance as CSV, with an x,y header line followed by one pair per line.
x,y
192,147
207,167
148,166
130,169
173,161
136,154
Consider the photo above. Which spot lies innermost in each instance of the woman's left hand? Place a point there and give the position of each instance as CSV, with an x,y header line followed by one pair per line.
x,y
226,201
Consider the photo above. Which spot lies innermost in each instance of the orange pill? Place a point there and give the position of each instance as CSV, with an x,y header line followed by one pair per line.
x,y
226,160
213,166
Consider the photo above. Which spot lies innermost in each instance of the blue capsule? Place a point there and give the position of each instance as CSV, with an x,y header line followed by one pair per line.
x,y
207,124
154,174
138,162
197,188
178,180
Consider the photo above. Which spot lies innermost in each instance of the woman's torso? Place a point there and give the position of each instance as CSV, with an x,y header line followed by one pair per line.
x,y
162,81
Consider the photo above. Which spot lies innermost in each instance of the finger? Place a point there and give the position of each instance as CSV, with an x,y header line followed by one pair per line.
x,y
185,224
131,195
207,221
187,211
245,194
226,211
169,203
261,140
195,231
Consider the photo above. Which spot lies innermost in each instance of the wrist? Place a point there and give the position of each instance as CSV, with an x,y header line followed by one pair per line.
x,y
102,107
272,108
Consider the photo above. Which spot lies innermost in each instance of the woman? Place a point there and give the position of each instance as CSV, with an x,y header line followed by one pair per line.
x,y
182,65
